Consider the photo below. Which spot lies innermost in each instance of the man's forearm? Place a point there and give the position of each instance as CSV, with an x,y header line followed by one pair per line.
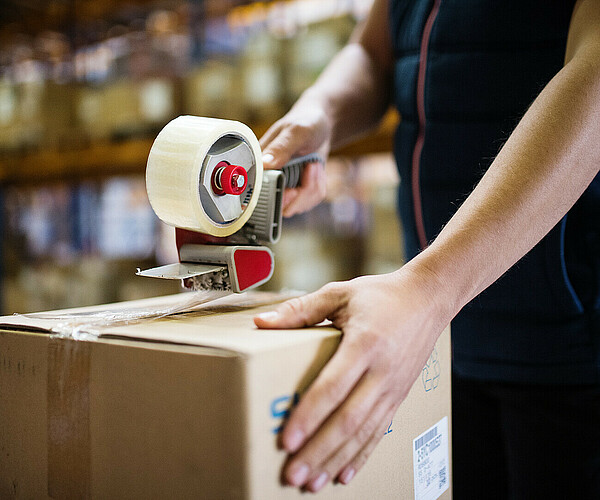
x,y
353,91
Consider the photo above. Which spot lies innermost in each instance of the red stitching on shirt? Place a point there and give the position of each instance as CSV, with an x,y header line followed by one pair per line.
x,y
416,159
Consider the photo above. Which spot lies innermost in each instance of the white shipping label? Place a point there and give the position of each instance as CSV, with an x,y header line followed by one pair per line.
x,y
430,462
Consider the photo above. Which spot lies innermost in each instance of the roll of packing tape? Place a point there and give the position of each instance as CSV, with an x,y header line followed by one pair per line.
x,y
184,164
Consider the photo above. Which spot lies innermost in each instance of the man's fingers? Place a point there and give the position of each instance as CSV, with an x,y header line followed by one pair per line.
x,y
345,463
331,388
289,195
352,422
282,147
269,135
311,192
351,469
303,311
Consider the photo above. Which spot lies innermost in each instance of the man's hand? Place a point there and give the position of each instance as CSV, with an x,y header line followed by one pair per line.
x,y
304,130
390,324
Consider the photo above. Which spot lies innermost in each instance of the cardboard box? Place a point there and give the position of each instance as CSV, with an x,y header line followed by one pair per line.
x,y
188,406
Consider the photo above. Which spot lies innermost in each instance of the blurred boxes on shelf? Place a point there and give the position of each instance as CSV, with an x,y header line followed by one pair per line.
x,y
112,218
79,244
384,250
68,116
57,116
311,49
125,109
306,259
21,125
355,231
92,116
214,89
263,87
36,286
247,62
120,108
190,406
384,244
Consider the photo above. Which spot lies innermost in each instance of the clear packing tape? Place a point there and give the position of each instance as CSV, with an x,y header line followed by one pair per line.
x,y
88,325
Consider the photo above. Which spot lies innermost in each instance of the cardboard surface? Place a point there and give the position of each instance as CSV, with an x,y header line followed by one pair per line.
x,y
186,406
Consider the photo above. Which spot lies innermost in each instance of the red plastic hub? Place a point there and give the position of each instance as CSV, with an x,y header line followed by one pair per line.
x,y
229,179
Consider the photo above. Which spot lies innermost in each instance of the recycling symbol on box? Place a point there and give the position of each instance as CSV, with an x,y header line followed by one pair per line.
x,y
431,372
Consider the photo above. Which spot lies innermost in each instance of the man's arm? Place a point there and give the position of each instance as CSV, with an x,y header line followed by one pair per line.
x,y
391,322
348,99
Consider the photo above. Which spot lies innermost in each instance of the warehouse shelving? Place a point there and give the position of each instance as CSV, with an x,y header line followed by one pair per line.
x,y
102,159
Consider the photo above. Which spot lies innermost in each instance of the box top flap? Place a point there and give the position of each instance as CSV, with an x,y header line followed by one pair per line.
x,y
197,319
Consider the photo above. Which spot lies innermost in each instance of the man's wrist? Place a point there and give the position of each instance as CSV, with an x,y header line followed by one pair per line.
x,y
316,98
438,283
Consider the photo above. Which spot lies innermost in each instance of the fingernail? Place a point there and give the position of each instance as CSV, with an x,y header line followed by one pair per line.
x,y
268,158
294,440
316,484
347,475
268,316
298,474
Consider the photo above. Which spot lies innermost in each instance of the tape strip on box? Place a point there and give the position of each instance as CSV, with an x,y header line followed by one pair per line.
x,y
68,399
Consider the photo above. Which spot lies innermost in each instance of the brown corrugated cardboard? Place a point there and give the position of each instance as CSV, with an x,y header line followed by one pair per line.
x,y
189,407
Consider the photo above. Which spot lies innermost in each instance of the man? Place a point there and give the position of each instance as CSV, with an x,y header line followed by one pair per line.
x,y
469,79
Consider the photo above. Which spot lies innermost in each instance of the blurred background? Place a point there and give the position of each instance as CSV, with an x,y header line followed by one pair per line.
x,y
85,86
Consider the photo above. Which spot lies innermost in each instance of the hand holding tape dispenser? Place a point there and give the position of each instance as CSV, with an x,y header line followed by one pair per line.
x,y
205,177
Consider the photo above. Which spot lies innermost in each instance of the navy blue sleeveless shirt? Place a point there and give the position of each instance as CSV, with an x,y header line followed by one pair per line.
x,y
465,72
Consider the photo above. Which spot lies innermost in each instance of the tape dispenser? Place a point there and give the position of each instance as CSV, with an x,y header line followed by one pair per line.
x,y
205,177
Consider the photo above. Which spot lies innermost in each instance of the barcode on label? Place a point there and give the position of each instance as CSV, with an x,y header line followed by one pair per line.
x,y
425,438
442,477
430,462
